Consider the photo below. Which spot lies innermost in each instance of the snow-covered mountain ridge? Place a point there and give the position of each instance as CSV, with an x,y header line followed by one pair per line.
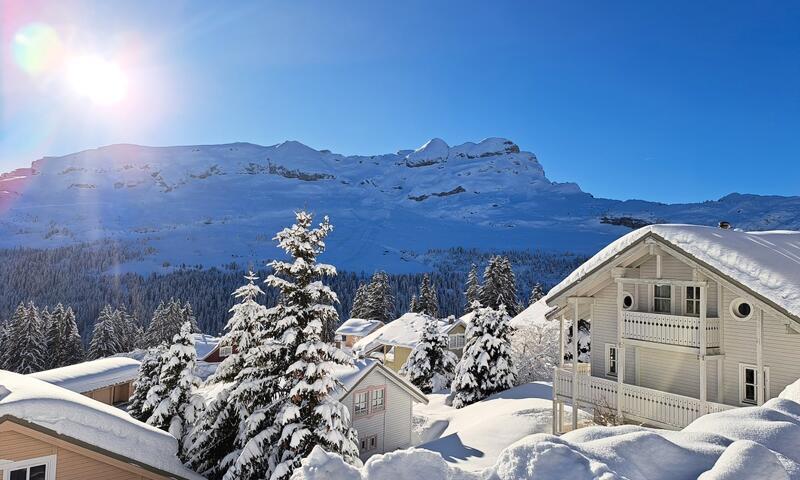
x,y
214,204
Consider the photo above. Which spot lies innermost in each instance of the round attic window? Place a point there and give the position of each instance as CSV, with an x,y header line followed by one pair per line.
x,y
627,301
741,309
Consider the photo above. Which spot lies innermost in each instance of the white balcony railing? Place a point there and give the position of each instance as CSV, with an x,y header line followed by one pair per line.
x,y
638,403
669,329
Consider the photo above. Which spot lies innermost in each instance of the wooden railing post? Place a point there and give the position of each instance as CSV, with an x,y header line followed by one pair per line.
x,y
703,347
575,322
620,351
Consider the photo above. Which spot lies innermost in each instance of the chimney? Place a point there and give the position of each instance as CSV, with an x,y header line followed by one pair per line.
x,y
725,225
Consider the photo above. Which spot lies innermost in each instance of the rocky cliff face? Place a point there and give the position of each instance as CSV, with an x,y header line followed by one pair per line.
x,y
213,204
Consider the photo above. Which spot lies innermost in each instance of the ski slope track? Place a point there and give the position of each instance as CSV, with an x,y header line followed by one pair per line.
x,y
216,204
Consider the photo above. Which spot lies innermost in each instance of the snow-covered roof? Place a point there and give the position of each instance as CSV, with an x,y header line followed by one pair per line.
x,y
403,332
358,327
766,263
204,344
92,375
535,313
78,417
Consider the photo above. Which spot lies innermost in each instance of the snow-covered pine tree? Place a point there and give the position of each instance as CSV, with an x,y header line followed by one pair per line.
x,y
104,336
178,406
26,334
72,345
428,300
430,366
242,331
473,288
486,366
359,308
218,426
158,328
537,293
413,306
380,303
147,377
167,321
307,412
4,344
188,316
499,286
54,335
126,330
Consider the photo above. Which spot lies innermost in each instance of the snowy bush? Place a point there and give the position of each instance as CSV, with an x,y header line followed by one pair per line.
x,y
534,351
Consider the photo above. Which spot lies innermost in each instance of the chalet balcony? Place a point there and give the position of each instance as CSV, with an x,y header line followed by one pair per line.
x,y
639,404
678,330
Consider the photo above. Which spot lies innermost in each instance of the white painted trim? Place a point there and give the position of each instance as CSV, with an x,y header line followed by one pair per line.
x,y
765,373
734,309
49,462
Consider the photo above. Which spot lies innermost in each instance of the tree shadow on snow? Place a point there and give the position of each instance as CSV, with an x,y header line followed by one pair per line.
x,y
451,448
528,390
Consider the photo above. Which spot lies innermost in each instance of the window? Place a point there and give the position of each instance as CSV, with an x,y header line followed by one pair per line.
x,y
741,309
693,301
457,341
627,301
748,384
611,360
662,299
367,444
378,400
42,468
361,403
225,351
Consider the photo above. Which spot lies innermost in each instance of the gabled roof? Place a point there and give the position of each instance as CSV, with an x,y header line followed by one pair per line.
x,y
358,327
535,313
204,344
351,377
81,420
91,375
766,264
403,332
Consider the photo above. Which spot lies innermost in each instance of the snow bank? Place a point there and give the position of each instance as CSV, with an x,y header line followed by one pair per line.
x,y
791,392
76,416
766,262
473,437
358,327
92,375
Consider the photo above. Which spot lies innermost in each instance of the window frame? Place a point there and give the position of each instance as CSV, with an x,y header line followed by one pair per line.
x,y
49,462
224,349
668,299
373,396
633,301
364,444
743,367
454,336
608,348
695,301
357,413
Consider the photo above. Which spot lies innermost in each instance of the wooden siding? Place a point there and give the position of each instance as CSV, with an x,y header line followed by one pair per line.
x,y
392,426
73,462
400,356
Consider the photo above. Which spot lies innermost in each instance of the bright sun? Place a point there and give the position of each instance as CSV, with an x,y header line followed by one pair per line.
x,y
99,80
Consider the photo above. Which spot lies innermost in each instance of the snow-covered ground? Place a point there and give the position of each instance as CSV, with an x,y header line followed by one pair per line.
x,y
740,444
473,437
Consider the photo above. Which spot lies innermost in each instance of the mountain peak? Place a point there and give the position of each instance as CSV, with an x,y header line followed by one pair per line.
x,y
434,151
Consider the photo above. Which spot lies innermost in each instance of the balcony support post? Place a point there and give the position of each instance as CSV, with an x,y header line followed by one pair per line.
x,y
760,356
703,350
575,322
620,352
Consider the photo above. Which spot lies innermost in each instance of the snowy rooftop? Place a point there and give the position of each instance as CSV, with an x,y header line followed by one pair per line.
x,y
358,327
768,263
404,332
535,313
91,375
81,418
204,344
350,376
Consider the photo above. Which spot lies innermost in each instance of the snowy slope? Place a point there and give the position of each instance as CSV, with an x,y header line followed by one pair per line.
x,y
216,204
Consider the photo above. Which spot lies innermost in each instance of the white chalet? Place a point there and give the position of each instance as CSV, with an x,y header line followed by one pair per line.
x,y
380,405
685,320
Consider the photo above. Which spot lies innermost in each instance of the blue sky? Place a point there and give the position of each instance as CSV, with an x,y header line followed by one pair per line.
x,y
668,101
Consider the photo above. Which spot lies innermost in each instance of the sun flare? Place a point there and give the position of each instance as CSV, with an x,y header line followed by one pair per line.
x,y
101,81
